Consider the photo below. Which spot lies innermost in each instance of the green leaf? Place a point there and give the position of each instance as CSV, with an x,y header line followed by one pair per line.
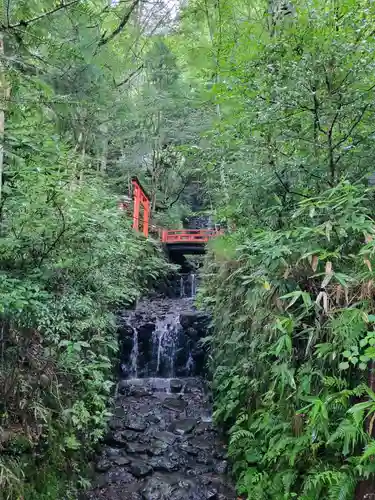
x,y
344,365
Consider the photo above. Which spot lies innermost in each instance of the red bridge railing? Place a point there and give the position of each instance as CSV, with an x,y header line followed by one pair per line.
x,y
141,219
188,235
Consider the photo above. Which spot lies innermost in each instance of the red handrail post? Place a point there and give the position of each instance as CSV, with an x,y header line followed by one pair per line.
x,y
146,208
136,206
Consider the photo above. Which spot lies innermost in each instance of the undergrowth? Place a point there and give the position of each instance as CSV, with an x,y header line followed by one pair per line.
x,y
293,349
68,260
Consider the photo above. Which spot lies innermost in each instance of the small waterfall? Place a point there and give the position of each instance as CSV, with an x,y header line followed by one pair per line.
x,y
160,337
188,285
193,287
134,354
182,287
165,338
189,367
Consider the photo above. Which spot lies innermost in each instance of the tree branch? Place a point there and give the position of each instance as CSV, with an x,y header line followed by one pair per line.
x,y
354,125
177,196
129,77
105,39
24,23
54,243
7,11
287,190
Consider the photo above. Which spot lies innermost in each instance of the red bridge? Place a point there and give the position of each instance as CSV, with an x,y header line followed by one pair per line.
x,y
176,240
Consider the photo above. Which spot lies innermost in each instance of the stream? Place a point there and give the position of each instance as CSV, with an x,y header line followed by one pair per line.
x,y
161,443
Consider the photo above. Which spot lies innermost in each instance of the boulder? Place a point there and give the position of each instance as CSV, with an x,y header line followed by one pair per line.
x,y
115,439
221,467
135,423
157,447
175,404
164,464
183,426
121,461
201,443
120,476
112,452
203,427
165,436
176,385
116,424
130,435
134,447
139,468
103,465
157,488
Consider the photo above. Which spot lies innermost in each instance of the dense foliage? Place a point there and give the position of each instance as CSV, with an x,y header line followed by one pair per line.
x,y
291,286
68,257
293,347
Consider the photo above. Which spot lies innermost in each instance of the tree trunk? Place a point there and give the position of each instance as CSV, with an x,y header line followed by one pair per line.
x,y
216,58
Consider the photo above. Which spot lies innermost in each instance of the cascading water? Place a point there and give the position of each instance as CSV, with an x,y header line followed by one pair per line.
x,y
182,287
165,338
134,354
188,286
193,290
156,344
161,444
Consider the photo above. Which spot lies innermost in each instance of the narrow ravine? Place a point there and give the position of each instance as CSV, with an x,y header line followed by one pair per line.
x,y
161,444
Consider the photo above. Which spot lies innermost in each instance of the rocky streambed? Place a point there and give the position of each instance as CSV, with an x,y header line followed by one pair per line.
x,y
161,443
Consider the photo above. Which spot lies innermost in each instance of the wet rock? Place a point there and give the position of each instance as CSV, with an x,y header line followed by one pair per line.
x,y
157,488
124,387
139,468
201,443
157,447
188,448
135,423
138,391
103,465
120,476
120,412
130,435
124,495
221,467
176,385
175,404
134,447
112,452
164,464
162,446
183,426
211,494
144,410
220,452
114,439
116,424
121,461
100,481
153,419
165,436
203,427
204,459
